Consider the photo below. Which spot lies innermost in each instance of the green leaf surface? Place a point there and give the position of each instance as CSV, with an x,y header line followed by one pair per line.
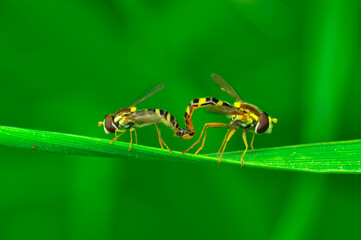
x,y
332,157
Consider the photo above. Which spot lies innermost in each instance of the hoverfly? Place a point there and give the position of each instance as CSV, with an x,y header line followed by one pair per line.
x,y
244,115
131,118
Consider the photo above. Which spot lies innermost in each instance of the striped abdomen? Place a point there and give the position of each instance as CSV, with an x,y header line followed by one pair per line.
x,y
162,116
197,103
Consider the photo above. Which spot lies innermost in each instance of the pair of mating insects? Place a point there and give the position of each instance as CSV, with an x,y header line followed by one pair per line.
x,y
244,115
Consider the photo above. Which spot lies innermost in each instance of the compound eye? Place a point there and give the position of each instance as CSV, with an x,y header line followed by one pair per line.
x,y
263,123
109,126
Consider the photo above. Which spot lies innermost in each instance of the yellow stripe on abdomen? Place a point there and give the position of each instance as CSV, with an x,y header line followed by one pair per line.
x,y
201,101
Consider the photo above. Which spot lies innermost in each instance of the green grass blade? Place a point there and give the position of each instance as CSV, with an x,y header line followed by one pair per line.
x,y
82,145
334,157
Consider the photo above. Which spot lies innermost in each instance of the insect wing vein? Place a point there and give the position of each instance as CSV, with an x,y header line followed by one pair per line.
x,y
225,86
150,92
223,110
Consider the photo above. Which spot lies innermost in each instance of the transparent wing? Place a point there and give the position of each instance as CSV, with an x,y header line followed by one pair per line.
x,y
223,110
146,116
150,92
226,87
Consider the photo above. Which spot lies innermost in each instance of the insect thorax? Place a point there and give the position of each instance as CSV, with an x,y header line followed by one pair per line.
x,y
126,125
243,123
124,121
244,120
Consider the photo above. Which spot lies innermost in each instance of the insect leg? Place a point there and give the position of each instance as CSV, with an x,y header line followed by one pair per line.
x,y
100,123
205,135
116,136
131,138
230,134
224,139
204,139
254,133
211,125
245,143
136,137
199,139
161,139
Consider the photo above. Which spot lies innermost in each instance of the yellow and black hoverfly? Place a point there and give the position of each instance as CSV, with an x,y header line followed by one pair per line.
x,y
131,118
244,115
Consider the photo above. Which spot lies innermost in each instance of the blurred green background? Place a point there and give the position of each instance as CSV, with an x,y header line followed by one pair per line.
x,y
65,64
